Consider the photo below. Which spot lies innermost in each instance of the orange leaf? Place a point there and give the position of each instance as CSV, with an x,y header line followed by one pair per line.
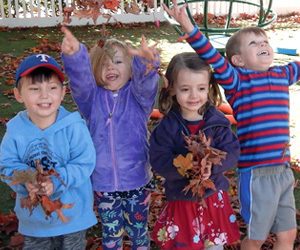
x,y
54,206
183,163
111,4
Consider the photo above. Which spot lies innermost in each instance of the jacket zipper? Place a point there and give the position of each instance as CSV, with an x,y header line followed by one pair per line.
x,y
111,137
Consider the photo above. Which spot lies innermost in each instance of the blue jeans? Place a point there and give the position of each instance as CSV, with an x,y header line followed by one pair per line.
x,y
72,241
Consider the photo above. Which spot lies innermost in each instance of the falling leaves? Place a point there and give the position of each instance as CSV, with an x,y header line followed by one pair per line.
x,y
132,7
197,163
67,14
105,8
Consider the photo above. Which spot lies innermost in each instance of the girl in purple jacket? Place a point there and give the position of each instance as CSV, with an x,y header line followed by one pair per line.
x,y
189,104
114,88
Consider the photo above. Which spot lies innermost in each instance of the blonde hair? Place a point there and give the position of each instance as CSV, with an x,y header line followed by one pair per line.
x,y
190,61
234,43
99,53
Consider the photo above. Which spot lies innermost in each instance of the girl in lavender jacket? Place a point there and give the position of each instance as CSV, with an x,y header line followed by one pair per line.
x,y
115,93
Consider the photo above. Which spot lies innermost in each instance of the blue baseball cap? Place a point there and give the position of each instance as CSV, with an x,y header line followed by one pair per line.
x,y
35,61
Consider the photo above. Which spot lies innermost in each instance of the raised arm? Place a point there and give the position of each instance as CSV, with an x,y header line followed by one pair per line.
x,y
70,45
79,70
225,74
180,15
145,75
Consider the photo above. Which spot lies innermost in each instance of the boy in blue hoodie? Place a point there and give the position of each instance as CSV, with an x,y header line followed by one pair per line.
x,y
59,140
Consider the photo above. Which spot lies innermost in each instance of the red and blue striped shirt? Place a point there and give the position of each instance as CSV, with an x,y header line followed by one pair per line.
x,y
260,102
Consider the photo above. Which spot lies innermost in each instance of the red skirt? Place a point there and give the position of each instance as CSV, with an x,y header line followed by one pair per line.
x,y
190,225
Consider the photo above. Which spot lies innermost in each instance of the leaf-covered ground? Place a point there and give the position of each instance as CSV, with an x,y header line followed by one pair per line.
x,y
18,43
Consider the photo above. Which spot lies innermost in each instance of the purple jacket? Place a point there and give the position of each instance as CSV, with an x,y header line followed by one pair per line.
x,y
167,142
117,122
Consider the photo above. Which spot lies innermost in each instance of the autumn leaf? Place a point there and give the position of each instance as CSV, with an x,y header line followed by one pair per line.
x,y
16,241
197,163
111,4
23,176
67,12
33,180
132,8
8,223
183,164
54,206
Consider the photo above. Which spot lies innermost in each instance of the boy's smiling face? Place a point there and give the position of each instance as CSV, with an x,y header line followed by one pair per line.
x,y
41,99
255,52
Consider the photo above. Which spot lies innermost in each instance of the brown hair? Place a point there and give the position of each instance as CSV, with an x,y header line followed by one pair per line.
x,y
190,61
234,43
99,53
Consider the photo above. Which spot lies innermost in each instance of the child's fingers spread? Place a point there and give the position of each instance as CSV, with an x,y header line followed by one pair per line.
x,y
168,10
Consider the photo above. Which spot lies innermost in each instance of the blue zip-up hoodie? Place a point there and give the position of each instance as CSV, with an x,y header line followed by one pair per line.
x,y
117,121
167,142
65,146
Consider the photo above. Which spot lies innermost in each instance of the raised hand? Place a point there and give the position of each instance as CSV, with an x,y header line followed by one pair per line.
x,y
70,45
145,51
180,15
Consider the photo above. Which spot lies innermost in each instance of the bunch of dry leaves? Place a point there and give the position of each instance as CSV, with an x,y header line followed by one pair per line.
x,y
36,177
197,162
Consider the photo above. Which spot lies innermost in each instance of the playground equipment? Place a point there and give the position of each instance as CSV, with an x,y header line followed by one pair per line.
x,y
261,7
218,32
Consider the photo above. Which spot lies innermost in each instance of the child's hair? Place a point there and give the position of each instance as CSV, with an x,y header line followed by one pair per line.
x,y
101,51
190,61
38,75
234,43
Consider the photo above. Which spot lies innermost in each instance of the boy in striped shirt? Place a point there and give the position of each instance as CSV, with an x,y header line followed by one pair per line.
x,y
259,96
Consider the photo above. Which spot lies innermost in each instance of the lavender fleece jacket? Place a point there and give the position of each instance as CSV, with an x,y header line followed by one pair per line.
x,y
117,121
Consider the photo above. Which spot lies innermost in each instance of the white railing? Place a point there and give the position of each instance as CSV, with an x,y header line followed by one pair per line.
x,y
42,13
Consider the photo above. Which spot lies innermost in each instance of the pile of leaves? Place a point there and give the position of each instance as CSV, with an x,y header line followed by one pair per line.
x,y
196,163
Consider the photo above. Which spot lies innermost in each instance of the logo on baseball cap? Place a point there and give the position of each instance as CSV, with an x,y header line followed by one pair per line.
x,y
33,62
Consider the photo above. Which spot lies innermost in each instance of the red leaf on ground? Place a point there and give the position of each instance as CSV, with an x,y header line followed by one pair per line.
x,y
16,241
